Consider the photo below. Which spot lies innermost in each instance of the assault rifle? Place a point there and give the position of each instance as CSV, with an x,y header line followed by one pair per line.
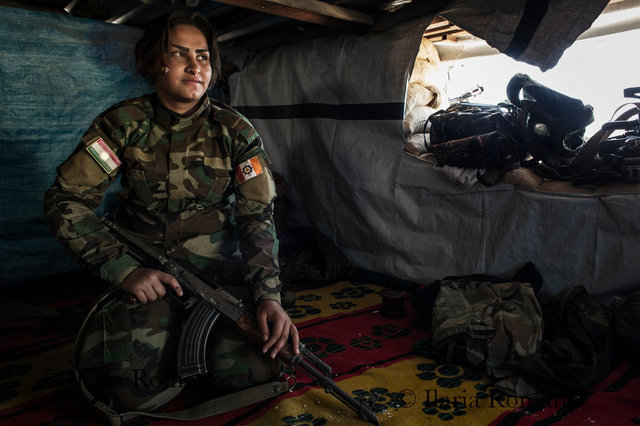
x,y
206,304
618,158
610,167
467,95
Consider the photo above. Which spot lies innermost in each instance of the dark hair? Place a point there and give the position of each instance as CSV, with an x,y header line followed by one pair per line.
x,y
155,41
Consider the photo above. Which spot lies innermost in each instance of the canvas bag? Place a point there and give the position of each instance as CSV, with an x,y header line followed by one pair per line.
x,y
577,349
488,151
479,321
477,136
465,119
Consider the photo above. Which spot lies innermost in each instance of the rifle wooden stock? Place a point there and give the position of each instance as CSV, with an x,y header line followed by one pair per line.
x,y
248,326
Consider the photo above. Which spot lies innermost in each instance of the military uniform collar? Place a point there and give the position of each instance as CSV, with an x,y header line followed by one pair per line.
x,y
177,122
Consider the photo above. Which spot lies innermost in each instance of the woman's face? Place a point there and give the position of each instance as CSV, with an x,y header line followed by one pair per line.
x,y
189,69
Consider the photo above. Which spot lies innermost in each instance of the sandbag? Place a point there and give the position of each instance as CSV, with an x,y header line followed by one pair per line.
x,y
417,119
419,95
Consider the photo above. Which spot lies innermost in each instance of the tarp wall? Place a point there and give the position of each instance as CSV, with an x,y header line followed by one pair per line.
x,y
330,113
329,116
56,74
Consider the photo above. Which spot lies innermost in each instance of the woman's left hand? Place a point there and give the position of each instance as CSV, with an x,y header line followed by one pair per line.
x,y
271,312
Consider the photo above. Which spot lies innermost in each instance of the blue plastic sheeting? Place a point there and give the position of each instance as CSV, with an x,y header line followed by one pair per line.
x,y
56,74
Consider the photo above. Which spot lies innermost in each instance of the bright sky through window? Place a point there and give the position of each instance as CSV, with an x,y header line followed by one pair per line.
x,y
595,70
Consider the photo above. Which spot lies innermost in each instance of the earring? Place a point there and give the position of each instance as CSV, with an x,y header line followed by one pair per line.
x,y
164,69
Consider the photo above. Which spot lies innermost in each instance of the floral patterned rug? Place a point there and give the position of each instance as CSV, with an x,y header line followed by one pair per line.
x,y
342,324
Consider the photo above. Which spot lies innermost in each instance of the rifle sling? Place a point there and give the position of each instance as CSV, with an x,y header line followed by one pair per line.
x,y
223,404
585,155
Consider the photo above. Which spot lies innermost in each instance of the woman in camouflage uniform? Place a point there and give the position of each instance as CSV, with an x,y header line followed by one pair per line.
x,y
196,183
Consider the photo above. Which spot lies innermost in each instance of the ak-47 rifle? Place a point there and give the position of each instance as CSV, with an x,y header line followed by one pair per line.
x,y
207,303
618,158
467,95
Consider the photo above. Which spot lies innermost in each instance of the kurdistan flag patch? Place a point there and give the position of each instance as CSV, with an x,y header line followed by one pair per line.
x,y
103,155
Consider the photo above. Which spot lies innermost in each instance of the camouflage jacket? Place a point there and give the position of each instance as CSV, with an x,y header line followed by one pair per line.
x,y
186,181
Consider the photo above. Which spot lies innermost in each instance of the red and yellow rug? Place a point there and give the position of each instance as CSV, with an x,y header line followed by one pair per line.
x,y
343,325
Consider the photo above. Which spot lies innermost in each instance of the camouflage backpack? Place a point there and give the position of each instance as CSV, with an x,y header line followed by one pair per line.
x,y
485,323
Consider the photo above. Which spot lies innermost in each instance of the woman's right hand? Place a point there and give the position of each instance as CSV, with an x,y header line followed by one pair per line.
x,y
147,285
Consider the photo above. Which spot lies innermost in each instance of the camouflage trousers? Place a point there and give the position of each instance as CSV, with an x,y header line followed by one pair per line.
x,y
127,354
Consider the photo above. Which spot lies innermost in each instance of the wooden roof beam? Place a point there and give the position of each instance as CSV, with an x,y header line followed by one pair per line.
x,y
312,11
451,29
